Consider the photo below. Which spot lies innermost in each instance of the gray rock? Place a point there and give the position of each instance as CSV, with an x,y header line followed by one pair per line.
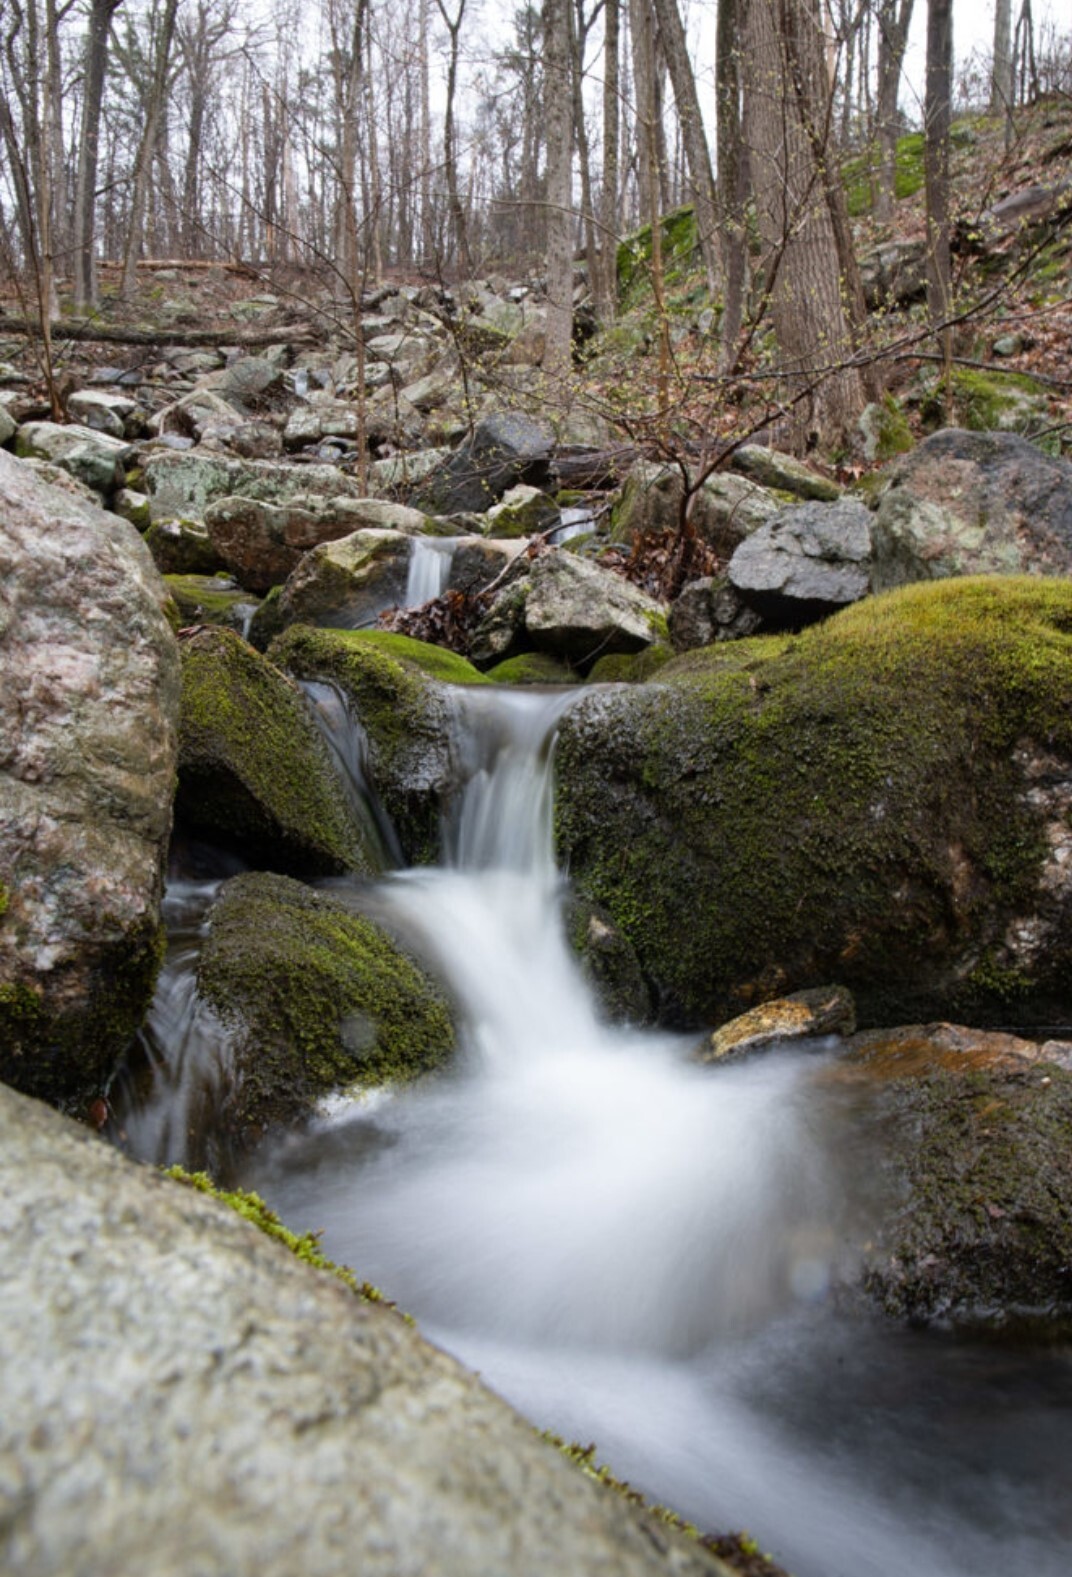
x,y
346,583
504,450
191,414
91,457
522,511
783,472
807,562
55,476
115,414
725,510
709,609
7,425
894,274
88,720
261,544
965,503
288,1425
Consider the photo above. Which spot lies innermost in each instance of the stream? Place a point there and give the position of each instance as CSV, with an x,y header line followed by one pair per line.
x,y
637,1251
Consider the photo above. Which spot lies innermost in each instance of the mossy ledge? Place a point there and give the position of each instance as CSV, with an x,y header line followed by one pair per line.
x,y
304,1246
253,770
316,997
394,683
848,804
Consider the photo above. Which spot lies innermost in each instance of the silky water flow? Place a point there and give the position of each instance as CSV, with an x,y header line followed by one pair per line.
x,y
635,1250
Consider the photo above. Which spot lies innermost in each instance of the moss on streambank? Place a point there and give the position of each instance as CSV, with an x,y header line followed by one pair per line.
x,y
304,1246
318,997
843,805
253,768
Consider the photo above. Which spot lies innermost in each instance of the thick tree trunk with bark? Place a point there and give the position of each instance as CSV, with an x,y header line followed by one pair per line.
x,y
96,58
894,19
733,240
693,136
937,121
802,265
607,288
558,125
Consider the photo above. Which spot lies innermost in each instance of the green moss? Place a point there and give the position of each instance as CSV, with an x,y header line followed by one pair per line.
x,y
680,246
252,765
207,599
894,434
631,668
5,898
983,401
843,804
856,173
304,1246
532,668
320,997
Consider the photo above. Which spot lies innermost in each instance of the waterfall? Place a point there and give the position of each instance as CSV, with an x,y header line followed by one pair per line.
x,y
429,568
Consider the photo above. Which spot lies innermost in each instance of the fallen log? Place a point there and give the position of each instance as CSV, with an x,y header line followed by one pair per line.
x,y
189,339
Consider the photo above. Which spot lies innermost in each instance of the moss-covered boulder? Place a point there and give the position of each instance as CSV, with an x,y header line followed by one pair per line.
x,y
254,771
883,800
182,547
316,997
976,1132
348,581
396,687
211,599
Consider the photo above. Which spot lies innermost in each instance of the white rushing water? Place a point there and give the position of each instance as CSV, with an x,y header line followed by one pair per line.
x,y
638,1251
429,568
635,1250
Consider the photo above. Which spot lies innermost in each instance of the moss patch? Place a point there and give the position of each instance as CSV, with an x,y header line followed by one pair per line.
x,y
253,768
984,400
532,668
908,174
304,1246
839,805
319,998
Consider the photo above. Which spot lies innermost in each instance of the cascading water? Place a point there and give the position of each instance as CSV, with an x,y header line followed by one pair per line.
x,y
429,568
638,1251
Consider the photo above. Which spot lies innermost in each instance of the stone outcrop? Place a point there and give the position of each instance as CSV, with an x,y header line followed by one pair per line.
x,y
88,737
183,1394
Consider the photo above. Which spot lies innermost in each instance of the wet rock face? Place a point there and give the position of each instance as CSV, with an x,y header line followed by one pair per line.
x,y
88,742
182,1394
966,503
976,1131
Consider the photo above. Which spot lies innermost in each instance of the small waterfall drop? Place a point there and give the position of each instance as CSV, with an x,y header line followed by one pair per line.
x,y
429,569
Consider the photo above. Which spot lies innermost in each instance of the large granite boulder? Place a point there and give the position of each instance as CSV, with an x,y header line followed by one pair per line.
x,y
261,543
806,562
183,1394
254,770
882,800
186,483
505,449
347,582
968,503
89,708
783,472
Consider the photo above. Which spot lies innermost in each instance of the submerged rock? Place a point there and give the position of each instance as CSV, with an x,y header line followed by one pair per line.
x,y
253,768
879,800
314,998
293,1426
88,740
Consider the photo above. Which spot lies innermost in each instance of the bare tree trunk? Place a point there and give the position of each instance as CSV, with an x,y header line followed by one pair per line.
x,y
607,297
693,136
450,149
579,25
143,164
96,56
1001,71
558,124
645,92
802,263
894,18
731,175
937,119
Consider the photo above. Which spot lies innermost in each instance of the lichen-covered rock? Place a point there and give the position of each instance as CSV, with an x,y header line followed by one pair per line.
x,y
91,457
879,800
88,736
966,503
182,547
253,768
185,484
293,1426
976,1138
824,1010
315,998
522,511
505,449
804,563
725,509
347,582
784,473
396,685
